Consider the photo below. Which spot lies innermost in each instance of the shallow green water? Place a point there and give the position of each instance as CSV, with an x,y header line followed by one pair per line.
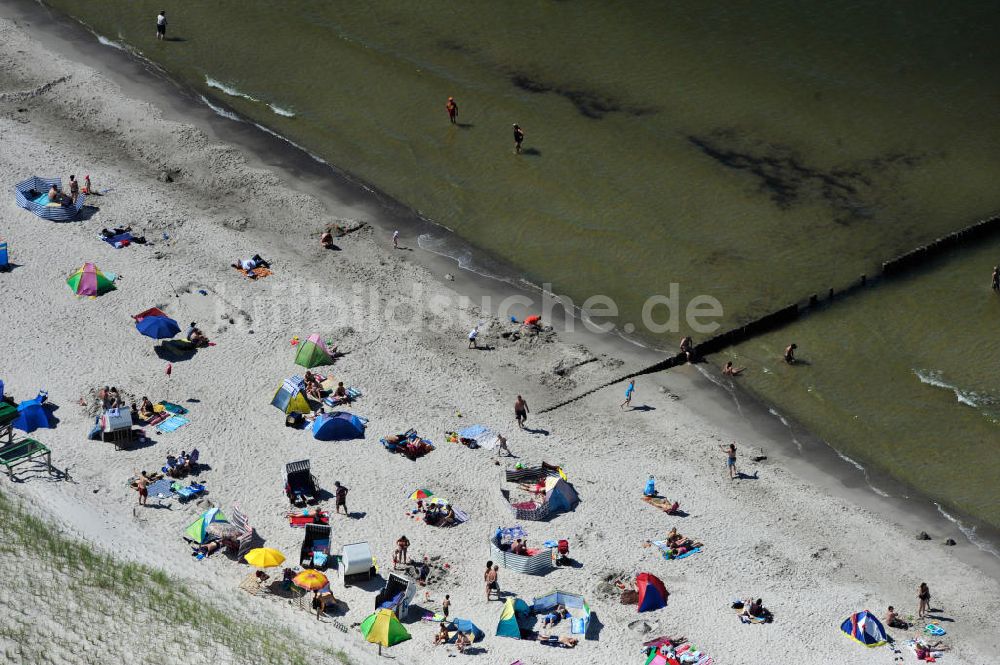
x,y
755,153
902,379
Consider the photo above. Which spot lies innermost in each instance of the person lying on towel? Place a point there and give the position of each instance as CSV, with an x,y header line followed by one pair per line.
x,y
253,262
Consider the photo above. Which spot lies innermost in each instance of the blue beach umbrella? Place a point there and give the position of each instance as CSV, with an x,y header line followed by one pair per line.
x,y
157,327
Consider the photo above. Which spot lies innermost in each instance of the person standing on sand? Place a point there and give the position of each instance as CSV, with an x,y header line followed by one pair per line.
x,y
486,575
161,25
996,278
790,353
520,411
492,582
452,109
924,596
341,496
730,459
141,486
628,395
395,239
74,188
446,606
518,138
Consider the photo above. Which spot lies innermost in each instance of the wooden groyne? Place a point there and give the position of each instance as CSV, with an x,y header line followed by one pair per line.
x,y
894,267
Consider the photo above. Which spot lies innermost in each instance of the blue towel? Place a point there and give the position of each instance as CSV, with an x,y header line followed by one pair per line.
x,y
172,423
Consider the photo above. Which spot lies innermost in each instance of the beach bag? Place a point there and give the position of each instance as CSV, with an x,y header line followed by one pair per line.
x,y
293,419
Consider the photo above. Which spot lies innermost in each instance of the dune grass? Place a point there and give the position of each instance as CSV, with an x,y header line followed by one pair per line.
x,y
71,603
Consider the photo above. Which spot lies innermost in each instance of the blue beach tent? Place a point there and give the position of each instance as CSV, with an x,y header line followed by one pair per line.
x,y
509,626
338,426
863,627
31,416
469,628
33,194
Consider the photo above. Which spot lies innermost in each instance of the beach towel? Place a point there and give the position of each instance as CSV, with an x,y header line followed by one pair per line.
x,y
118,241
301,520
161,489
256,273
934,629
662,545
352,394
185,493
172,424
172,408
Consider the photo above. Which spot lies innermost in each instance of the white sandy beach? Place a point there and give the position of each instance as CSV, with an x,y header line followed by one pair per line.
x,y
814,558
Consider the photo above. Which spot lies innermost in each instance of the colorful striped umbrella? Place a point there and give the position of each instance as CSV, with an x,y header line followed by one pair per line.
x,y
421,495
264,557
89,281
310,579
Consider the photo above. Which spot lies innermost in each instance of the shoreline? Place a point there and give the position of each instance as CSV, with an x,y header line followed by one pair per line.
x,y
811,552
144,79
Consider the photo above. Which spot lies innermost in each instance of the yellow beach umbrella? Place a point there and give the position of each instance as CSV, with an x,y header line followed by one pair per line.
x,y
264,557
310,579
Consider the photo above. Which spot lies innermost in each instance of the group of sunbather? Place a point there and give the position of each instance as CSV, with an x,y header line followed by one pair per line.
x,y
436,515
196,336
679,544
183,464
462,640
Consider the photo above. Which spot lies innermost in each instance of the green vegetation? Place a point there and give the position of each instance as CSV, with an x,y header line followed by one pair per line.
x,y
69,603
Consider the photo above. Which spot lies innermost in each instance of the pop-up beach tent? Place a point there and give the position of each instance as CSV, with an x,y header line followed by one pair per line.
x,y
291,395
338,426
508,626
90,281
652,593
313,352
33,194
863,627
31,415
467,627
198,530
559,494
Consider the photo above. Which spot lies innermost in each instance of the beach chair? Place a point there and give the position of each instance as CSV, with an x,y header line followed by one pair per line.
x,y
300,485
315,551
251,584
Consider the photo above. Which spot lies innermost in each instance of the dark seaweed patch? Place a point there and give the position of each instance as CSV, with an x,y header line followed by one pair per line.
x,y
455,47
789,180
588,103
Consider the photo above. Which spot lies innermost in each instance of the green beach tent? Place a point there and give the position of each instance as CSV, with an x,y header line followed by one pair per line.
x,y
313,352
198,530
384,629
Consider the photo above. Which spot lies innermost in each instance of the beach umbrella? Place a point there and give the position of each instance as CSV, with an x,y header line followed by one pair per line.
x,y
89,281
310,579
384,629
439,501
157,327
421,495
264,557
